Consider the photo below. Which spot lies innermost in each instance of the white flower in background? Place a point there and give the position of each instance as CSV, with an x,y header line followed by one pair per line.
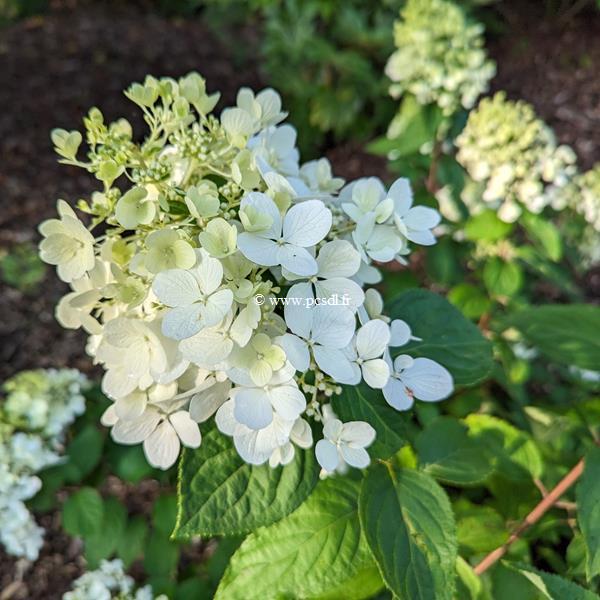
x,y
318,331
39,405
283,241
210,234
514,158
317,175
337,261
420,378
194,297
362,358
274,149
343,444
67,244
107,582
446,63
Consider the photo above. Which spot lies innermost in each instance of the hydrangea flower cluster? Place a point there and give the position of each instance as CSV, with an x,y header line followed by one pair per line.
x,y
445,64
582,195
228,279
109,582
514,157
37,408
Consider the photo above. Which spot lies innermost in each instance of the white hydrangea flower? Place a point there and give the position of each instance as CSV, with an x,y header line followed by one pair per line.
x,y
317,175
362,358
67,244
337,262
264,108
162,428
343,444
283,241
213,234
274,148
420,378
194,297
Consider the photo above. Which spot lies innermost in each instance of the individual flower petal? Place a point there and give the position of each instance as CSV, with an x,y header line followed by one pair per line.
x,y
428,380
176,287
355,457
296,351
376,373
306,224
332,326
297,260
338,259
252,407
372,339
134,431
259,250
396,394
288,401
162,446
186,429
327,455
335,364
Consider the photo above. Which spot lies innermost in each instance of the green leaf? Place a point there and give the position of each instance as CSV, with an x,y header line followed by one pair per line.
x,y
468,583
551,586
502,278
568,334
164,514
487,226
306,555
447,453
365,584
361,403
83,513
479,528
470,300
160,555
103,543
515,454
447,337
545,233
84,453
409,526
220,494
132,543
588,513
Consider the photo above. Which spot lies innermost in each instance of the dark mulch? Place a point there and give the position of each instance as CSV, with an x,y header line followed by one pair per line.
x,y
52,69
553,64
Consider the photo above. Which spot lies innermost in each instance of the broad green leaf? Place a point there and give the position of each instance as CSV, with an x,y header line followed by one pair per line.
x,y
104,542
487,226
588,513
160,555
480,528
164,514
83,513
447,337
220,494
552,586
308,554
132,544
443,265
514,454
361,403
470,300
365,584
502,278
409,526
84,453
447,453
545,233
568,334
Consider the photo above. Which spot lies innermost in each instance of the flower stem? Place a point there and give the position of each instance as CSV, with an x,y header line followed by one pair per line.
x,y
533,517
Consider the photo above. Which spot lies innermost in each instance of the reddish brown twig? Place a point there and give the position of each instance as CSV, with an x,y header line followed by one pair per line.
x,y
533,517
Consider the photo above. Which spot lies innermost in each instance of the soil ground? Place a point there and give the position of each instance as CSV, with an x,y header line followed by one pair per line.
x,y
53,68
